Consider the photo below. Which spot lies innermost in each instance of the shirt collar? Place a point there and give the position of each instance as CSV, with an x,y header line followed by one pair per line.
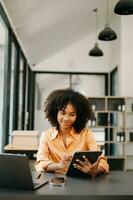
x,y
55,133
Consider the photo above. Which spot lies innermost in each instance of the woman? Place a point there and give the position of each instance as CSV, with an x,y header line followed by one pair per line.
x,y
68,112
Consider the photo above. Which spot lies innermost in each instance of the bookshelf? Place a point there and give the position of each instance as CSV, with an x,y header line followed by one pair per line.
x,y
113,117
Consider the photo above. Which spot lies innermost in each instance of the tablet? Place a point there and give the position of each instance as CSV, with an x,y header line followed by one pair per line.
x,y
92,157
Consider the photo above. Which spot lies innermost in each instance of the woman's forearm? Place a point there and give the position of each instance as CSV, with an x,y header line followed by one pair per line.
x,y
52,167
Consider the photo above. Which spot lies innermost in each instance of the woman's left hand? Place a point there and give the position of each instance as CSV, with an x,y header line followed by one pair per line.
x,y
88,168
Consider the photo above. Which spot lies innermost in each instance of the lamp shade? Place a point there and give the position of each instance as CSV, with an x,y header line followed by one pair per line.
x,y
96,51
107,34
124,7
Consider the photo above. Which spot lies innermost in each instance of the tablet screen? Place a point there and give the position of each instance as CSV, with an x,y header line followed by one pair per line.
x,y
92,157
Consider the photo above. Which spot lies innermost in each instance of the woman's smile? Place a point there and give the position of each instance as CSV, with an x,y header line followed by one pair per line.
x,y
67,117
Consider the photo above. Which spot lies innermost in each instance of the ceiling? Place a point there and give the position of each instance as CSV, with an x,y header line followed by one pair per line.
x,y
45,27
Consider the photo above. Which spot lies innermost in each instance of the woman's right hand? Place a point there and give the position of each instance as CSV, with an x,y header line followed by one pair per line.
x,y
64,162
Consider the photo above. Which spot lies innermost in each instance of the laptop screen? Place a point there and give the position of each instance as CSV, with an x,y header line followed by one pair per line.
x,y
15,172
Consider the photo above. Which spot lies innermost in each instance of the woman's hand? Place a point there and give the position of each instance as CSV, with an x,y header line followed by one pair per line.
x,y
64,162
88,168
52,167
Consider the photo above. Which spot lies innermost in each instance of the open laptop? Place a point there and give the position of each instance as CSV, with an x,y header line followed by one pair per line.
x,y
15,173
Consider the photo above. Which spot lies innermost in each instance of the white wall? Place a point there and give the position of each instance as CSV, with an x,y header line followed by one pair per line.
x,y
75,58
116,53
126,67
115,45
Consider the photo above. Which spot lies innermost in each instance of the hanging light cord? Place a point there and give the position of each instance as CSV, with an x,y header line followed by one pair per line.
x,y
95,10
107,13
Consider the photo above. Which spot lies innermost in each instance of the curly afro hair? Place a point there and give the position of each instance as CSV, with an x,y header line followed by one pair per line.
x,y
58,100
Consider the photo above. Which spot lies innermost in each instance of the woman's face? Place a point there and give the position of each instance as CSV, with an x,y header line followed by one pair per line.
x,y
67,117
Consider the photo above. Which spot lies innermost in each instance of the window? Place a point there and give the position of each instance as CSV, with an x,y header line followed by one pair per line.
x,y
47,82
13,65
21,93
114,82
3,72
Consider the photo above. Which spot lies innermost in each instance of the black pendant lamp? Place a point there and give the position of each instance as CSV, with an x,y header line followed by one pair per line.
x,y
124,7
107,34
96,51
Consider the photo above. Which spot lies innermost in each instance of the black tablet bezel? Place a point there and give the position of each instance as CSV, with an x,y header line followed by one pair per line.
x,y
92,157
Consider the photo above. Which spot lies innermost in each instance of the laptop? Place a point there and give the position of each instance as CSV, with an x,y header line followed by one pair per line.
x,y
92,157
15,173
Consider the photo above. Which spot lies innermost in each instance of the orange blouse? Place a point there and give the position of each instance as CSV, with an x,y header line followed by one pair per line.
x,y
52,148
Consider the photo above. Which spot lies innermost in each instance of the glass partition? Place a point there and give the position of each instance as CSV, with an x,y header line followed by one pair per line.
x,y
3,54
85,83
21,90
26,113
45,83
13,65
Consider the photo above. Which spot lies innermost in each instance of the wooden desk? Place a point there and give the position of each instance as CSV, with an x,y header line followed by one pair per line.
x,y
114,186
28,150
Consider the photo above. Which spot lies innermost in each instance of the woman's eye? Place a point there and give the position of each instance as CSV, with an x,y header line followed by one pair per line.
x,y
72,115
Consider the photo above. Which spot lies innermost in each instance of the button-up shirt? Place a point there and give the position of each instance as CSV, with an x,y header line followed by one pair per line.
x,y
52,148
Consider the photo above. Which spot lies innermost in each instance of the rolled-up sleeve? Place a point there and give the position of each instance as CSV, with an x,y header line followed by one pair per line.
x,y
43,156
93,146
104,164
